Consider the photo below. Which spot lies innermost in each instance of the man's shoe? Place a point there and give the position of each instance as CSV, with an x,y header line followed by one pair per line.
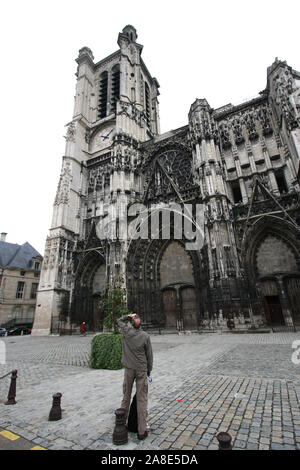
x,y
143,436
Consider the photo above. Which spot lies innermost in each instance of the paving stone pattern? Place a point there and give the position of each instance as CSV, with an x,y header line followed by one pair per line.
x,y
245,384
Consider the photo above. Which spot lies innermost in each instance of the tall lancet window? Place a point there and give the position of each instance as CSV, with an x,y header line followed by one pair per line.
x,y
147,104
115,87
102,105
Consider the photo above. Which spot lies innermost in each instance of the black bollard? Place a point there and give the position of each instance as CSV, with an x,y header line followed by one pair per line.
x,y
224,440
120,434
55,412
11,397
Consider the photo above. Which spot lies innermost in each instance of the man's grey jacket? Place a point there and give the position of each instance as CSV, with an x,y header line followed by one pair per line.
x,y
137,350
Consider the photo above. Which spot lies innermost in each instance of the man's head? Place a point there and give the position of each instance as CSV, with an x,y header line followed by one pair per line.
x,y
136,321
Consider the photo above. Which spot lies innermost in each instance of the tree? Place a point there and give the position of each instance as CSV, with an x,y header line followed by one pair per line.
x,y
113,303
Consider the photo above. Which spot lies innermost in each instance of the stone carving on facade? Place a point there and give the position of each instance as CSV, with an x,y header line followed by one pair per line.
x,y
237,123
124,108
64,185
224,133
202,126
250,119
71,132
142,91
215,132
289,113
130,110
194,133
219,169
264,116
284,87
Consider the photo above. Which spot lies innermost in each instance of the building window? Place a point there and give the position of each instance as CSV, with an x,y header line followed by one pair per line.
x,y
22,273
36,274
36,265
115,87
20,290
34,287
102,106
147,104
281,183
236,192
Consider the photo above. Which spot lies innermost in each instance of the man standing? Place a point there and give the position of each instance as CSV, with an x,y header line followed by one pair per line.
x,y
137,359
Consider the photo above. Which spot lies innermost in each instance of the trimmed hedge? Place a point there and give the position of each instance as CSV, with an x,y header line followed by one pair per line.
x,y
106,351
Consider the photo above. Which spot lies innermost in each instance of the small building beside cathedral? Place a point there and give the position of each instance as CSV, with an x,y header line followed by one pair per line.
x,y
20,268
238,165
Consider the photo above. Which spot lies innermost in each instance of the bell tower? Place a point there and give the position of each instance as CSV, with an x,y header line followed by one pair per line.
x,y
138,90
115,110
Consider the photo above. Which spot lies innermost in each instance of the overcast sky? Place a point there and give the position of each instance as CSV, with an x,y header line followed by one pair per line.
x,y
214,49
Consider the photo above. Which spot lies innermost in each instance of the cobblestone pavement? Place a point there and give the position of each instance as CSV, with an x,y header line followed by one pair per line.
x,y
242,383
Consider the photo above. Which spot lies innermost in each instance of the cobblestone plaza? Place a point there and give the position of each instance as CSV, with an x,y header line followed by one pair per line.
x,y
245,384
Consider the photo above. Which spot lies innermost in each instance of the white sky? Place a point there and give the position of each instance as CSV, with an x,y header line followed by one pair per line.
x,y
214,49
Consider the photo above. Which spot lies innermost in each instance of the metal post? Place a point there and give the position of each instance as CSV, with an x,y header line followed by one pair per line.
x,y
55,412
120,434
11,397
224,440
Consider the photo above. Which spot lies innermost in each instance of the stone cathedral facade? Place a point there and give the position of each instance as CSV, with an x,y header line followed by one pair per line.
x,y
241,163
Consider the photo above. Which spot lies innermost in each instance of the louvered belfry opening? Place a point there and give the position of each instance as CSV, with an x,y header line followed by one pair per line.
x,y
115,87
147,103
102,106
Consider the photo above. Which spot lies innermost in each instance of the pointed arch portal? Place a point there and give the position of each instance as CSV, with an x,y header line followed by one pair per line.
x,y
271,255
90,282
164,284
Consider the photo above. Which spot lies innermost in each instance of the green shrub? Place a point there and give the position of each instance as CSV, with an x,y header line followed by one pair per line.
x,y
106,351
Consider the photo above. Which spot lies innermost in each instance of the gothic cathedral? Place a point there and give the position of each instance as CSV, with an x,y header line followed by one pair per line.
x,y
239,163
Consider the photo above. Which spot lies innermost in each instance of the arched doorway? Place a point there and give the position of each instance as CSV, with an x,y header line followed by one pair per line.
x,y
157,272
272,302
274,257
178,288
89,284
272,260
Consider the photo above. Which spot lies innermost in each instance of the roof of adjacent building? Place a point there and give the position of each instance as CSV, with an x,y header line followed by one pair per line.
x,y
13,255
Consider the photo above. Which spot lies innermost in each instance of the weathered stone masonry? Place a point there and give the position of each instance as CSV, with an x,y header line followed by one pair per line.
x,y
241,162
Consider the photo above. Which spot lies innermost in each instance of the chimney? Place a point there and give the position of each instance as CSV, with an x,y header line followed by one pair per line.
x,y
3,236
